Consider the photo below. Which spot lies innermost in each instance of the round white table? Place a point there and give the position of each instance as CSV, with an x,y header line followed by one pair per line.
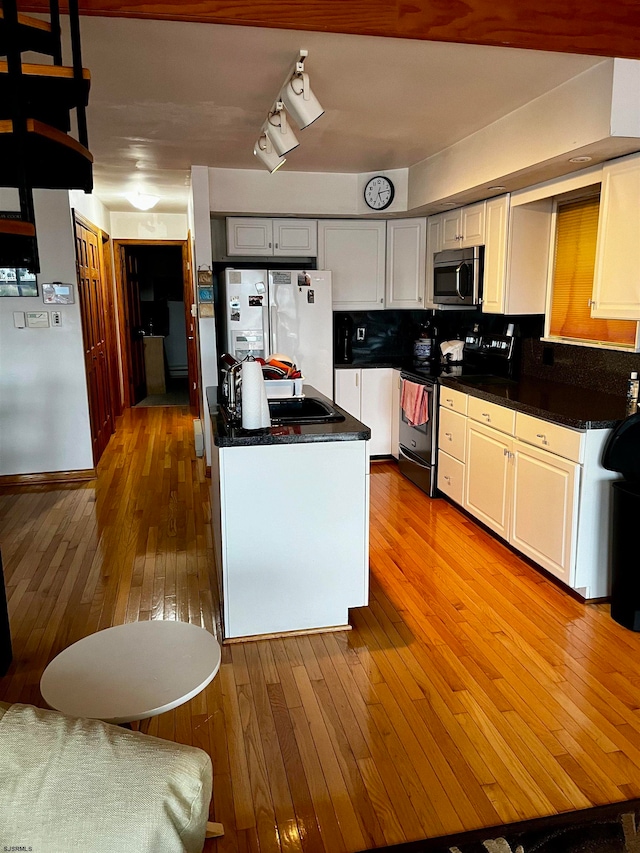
x,y
131,672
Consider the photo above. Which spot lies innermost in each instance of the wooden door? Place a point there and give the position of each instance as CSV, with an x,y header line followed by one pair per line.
x,y
191,325
93,301
135,333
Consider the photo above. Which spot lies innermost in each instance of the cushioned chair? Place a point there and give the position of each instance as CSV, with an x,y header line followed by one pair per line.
x,y
83,785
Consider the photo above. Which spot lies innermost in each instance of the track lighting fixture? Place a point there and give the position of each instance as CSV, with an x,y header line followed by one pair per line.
x,y
264,151
296,94
277,129
276,137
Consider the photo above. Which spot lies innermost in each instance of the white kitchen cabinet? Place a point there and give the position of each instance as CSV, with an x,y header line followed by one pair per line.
x,y
539,485
367,394
487,493
354,251
544,508
616,284
406,263
396,389
308,577
272,237
452,443
463,227
516,259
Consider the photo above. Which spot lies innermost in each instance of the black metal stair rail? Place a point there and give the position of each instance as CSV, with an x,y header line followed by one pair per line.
x,y
36,150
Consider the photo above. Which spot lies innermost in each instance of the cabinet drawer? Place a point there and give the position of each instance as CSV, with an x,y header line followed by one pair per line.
x,y
560,440
451,477
452,433
495,416
456,400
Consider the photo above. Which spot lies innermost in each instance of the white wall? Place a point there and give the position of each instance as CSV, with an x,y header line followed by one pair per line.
x,y
44,415
202,258
91,208
148,226
255,191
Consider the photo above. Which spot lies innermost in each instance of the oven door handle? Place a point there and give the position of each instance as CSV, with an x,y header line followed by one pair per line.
x,y
411,458
458,269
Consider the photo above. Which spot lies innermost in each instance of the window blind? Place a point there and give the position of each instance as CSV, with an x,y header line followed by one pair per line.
x,y
576,232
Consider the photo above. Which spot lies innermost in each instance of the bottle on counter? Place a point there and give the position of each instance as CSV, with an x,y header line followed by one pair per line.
x,y
633,386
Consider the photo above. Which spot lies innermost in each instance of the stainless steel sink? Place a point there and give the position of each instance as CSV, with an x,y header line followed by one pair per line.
x,y
308,410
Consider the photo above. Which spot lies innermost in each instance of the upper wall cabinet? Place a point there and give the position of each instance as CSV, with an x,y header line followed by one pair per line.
x,y
463,227
354,251
616,284
516,260
272,237
406,263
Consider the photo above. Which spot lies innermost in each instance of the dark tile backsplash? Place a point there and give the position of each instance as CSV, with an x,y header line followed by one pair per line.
x,y
585,367
389,337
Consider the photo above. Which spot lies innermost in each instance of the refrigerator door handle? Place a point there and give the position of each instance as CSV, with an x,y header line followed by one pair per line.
x,y
272,329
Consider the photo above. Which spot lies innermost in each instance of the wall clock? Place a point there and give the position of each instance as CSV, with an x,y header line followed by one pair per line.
x,y
379,192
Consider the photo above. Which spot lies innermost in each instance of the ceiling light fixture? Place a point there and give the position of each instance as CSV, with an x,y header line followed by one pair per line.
x,y
277,129
496,188
263,150
142,201
298,98
582,159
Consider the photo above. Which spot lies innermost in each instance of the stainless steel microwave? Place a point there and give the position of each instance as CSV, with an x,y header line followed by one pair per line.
x,y
457,276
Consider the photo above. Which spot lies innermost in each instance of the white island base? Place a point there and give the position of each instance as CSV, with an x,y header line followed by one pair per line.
x,y
291,524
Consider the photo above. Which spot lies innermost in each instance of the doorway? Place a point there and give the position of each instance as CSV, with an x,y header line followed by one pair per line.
x,y
157,327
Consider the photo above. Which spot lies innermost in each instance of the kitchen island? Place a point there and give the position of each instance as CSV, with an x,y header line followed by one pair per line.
x,y
290,513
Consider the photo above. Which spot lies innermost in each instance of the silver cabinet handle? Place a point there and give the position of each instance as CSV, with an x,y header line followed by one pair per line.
x,y
486,415
449,436
449,401
542,437
447,478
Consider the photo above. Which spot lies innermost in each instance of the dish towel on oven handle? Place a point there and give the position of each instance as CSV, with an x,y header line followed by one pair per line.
x,y
415,402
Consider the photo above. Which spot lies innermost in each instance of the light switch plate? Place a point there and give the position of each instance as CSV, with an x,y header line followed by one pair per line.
x,y
37,319
56,318
18,319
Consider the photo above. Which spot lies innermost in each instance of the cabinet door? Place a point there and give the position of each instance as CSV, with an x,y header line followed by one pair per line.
x,y
487,493
451,228
473,220
395,414
354,251
249,236
295,237
406,263
544,515
452,434
376,407
495,255
347,390
616,285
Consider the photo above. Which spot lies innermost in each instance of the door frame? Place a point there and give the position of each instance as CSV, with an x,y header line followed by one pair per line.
x,y
193,360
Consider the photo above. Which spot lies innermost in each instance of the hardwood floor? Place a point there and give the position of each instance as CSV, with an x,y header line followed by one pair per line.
x,y
471,691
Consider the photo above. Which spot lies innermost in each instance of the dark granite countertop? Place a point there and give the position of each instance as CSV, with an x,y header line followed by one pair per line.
x,y
226,435
574,407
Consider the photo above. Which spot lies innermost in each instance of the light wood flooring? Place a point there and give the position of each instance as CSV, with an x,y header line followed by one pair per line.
x,y
470,692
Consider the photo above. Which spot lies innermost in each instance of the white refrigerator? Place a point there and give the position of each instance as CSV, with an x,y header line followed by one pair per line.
x,y
282,311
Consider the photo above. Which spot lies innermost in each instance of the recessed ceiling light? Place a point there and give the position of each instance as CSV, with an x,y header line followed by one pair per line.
x,y
449,204
496,188
142,201
580,159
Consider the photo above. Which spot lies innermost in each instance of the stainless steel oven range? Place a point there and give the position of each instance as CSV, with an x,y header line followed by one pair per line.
x,y
418,449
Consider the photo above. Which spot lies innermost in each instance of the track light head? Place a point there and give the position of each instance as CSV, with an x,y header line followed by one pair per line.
x,y
263,150
302,105
279,132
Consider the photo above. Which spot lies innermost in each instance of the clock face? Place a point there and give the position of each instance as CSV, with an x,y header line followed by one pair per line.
x,y
379,192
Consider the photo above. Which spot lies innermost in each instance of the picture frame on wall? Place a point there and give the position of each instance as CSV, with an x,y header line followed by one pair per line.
x,y
17,281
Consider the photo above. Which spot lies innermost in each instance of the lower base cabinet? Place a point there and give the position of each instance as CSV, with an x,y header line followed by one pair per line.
x,y
367,394
553,508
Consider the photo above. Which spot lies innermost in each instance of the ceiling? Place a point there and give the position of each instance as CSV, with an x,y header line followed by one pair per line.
x,y
166,95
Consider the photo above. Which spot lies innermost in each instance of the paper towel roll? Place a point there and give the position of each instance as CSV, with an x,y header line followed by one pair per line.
x,y
255,406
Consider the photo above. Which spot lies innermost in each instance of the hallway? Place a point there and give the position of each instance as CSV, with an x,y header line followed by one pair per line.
x,y
471,691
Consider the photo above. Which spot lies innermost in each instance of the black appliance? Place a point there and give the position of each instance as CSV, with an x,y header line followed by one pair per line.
x,y
487,359
457,276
